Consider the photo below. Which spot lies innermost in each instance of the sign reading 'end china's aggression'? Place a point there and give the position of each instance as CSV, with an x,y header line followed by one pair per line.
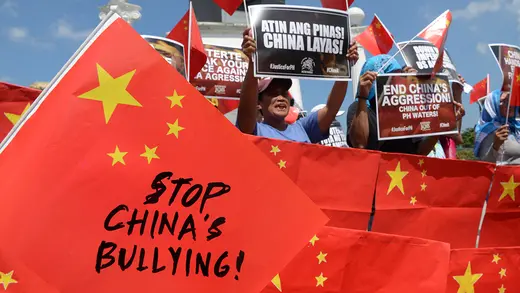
x,y
412,105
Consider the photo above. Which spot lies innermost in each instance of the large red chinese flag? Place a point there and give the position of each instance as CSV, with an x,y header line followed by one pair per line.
x,y
337,4
502,219
431,198
376,38
480,90
229,6
484,270
181,33
340,260
108,186
14,102
515,88
340,181
437,33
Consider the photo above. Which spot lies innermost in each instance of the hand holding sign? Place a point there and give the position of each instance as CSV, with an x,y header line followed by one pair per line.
x,y
409,69
352,54
365,84
459,110
248,44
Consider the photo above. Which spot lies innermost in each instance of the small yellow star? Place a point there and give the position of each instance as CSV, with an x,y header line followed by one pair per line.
x,y
423,173
502,273
518,78
423,186
6,279
175,99
502,289
149,153
174,128
448,22
413,200
321,257
117,156
277,282
421,162
320,280
496,258
467,281
397,179
282,164
378,25
275,149
509,188
314,239
14,118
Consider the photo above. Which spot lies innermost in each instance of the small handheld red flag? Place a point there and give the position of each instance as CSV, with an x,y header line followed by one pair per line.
x,y
229,6
437,33
376,38
515,88
480,90
336,4
14,102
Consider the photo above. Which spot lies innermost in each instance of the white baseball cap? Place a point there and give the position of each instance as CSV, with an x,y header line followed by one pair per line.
x,y
321,106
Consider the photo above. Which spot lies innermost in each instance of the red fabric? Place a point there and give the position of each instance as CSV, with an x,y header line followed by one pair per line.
x,y
515,88
437,202
366,262
340,181
336,4
437,33
449,147
376,39
14,101
490,270
480,90
229,6
293,115
88,149
180,33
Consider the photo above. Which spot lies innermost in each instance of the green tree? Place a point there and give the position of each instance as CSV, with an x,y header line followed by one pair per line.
x,y
468,138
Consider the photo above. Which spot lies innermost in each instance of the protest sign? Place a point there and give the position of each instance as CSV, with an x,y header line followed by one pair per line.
x,y
223,74
422,55
172,51
507,56
414,105
300,42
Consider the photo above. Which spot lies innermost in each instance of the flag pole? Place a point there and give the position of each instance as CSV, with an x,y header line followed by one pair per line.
x,y
190,13
487,84
247,14
346,4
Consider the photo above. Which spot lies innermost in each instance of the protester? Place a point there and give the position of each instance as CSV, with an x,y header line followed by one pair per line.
x,y
361,115
336,136
493,135
273,97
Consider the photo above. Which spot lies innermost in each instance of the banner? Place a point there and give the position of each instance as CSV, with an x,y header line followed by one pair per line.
x,y
411,105
172,51
223,74
300,42
422,55
507,56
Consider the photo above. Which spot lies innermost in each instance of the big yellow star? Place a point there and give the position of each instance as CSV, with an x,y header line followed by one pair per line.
x,y
502,273
467,281
502,289
117,156
14,118
277,282
518,78
111,92
275,150
282,164
397,179
321,257
509,188
175,99
496,258
314,239
320,280
174,128
7,279
149,153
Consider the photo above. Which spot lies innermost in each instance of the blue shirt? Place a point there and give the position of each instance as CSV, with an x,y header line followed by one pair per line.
x,y
306,130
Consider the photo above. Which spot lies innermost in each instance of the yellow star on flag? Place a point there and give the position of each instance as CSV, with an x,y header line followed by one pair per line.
x,y
7,279
14,118
174,128
502,273
423,186
314,239
397,179
117,156
277,282
518,78
282,164
423,173
320,280
448,22
321,257
467,281
413,200
502,289
378,25
496,258
175,99
149,153
421,162
509,188
111,92
275,149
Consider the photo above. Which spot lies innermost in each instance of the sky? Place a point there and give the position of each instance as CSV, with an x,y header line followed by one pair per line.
x,y
37,37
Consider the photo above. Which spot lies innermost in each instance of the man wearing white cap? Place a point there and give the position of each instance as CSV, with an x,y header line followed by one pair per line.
x,y
336,136
273,97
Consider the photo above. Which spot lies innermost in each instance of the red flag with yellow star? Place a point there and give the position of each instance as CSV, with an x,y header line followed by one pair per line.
x,y
431,198
376,38
229,6
339,260
224,105
484,270
502,219
480,90
15,100
109,185
515,88
340,181
437,33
